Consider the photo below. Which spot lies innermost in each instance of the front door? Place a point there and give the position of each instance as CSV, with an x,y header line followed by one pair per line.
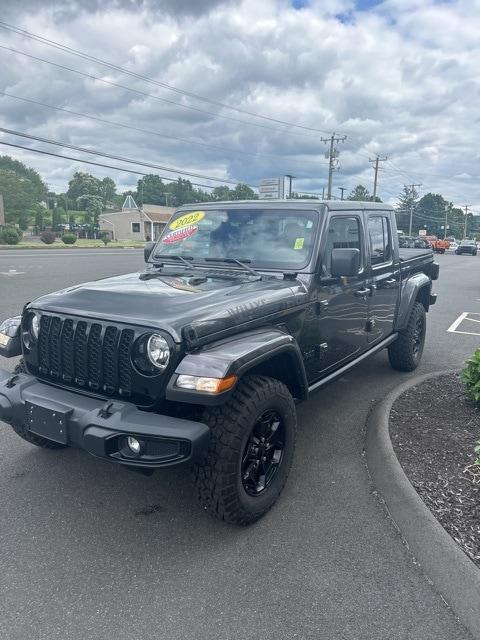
x,y
384,277
343,304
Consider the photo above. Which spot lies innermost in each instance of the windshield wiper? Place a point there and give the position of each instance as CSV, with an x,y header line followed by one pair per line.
x,y
240,263
182,259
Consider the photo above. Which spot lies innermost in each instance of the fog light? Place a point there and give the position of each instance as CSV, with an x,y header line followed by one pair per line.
x,y
134,445
210,385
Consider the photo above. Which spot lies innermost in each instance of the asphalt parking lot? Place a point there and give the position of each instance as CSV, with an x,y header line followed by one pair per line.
x,y
88,550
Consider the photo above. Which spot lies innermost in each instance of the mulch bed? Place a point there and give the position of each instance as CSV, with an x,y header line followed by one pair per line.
x,y
433,428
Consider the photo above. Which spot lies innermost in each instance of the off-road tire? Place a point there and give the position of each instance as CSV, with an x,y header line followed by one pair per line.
x,y
28,436
401,353
217,477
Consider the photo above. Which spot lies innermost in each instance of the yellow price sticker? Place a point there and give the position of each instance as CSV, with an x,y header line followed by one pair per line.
x,y
187,220
299,243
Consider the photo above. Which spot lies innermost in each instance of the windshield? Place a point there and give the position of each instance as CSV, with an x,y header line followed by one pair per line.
x,y
467,242
266,238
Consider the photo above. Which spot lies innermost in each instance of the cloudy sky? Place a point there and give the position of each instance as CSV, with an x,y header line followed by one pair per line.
x,y
399,78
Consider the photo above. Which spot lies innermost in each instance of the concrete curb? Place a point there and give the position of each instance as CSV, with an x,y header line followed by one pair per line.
x,y
453,574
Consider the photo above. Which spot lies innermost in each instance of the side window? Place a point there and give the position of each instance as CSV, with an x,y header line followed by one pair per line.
x,y
343,233
379,237
135,227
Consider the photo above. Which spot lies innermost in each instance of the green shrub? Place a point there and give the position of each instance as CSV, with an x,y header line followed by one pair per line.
x,y
471,376
104,236
48,237
69,238
10,235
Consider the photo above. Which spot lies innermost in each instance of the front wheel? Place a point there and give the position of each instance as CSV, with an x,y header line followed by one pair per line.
x,y
406,352
250,453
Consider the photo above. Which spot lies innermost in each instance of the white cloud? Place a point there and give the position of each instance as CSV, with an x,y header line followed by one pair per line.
x,y
400,79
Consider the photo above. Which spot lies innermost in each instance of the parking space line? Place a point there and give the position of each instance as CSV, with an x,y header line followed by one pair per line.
x,y
465,316
460,319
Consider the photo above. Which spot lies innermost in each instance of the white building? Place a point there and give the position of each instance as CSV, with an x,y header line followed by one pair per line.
x,y
136,223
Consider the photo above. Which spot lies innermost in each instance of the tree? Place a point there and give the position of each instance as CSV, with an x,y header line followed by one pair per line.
x,y
93,205
82,184
360,193
58,217
39,188
221,193
21,188
18,195
408,199
150,190
243,192
108,189
430,214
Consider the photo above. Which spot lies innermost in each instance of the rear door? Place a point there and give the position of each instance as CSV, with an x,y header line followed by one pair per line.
x,y
384,276
343,304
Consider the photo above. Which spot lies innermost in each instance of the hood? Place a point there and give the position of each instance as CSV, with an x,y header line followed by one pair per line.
x,y
174,302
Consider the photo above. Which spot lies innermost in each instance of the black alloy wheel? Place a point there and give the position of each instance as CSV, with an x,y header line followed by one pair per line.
x,y
418,336
263,453
252,442
406,352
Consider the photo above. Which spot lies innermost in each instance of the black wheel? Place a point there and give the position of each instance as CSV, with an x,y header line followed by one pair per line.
x,y
250,453
406,352
28,436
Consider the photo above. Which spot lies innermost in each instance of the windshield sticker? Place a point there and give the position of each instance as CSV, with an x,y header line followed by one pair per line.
x,y
187,220
179,235
299,243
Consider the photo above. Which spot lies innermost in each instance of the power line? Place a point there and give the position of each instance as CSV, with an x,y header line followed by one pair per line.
x,y
164,85
115,157
149,132
137,91
97,164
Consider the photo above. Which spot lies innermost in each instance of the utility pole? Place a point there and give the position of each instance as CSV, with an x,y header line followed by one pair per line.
x,y
323,193
466,207
412,191
342,189
376,161
332,155
446,223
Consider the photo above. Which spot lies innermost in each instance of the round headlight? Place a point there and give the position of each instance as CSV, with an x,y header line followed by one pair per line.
x,y
158,351
35,326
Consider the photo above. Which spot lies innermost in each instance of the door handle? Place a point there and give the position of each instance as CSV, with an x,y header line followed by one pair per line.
x,y
362,293
390,281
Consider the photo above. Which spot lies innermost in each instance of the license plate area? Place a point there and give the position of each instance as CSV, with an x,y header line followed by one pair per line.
x,y
46,422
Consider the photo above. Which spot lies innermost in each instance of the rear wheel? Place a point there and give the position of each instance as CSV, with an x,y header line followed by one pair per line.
x,y
406,352
250,453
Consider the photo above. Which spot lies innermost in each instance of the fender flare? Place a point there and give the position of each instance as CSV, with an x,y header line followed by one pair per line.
x,y
236,356
410,290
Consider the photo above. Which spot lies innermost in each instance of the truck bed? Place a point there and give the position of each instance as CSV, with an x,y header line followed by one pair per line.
x,y
415,260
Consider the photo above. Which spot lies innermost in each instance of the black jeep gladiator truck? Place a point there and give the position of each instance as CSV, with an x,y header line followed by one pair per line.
x,y
243,309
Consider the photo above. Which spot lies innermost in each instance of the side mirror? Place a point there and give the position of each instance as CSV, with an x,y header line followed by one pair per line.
x,y
345,262
147,250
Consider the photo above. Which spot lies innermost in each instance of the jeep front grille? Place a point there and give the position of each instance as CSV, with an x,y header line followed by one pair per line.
x,y
92,355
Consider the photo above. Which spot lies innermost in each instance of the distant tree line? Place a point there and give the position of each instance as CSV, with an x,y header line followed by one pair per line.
x,y
28,202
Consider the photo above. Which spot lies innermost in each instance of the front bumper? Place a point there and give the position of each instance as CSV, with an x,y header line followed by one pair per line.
x,y
99,427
